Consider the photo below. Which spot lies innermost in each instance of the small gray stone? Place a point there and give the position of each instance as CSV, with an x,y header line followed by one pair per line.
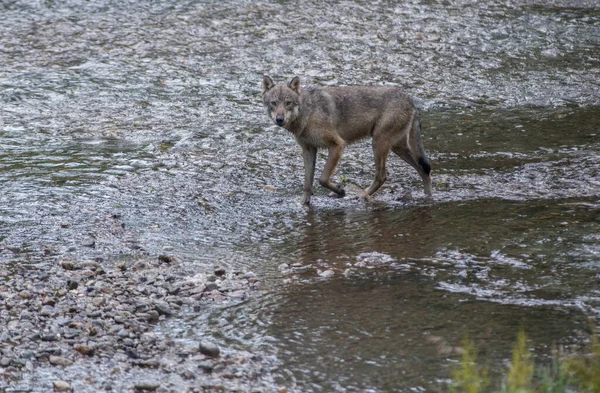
x,y
68,265
47,311
163,308
153,316
72,284
50,337
219,271
88,242
150,363
206,366
25,294
60,361
147,386
327,273
61,386
209,348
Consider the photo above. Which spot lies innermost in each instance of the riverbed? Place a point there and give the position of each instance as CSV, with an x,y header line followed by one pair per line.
x,y
149,201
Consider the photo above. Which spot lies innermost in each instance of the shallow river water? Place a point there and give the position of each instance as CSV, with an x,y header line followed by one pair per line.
x,y
151,111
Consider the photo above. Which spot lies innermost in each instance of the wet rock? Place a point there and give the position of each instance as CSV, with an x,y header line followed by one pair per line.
x,y
84,349
68,265
163,308
50,337
99,301
219,271
327,273
209,348
47,311
60,361
88,242
166,259
207,366
153,316
72,284
187,374
61,386
197,290
45,353
284,267
151,363
91,265
147,386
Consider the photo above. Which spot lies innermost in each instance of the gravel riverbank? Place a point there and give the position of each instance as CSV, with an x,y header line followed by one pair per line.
x,y
79,318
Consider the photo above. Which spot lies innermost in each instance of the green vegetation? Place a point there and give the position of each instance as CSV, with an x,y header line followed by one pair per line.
x,y
566,373
469,377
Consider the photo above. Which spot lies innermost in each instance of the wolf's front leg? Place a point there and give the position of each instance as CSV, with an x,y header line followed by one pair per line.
x,y
309,153
335,153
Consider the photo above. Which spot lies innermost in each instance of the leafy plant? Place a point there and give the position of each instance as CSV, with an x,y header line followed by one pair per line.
x,y
469,377
520,373
573,374
585,369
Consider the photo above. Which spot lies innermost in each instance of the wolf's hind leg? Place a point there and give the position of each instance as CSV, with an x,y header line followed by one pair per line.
x,y
381,150
420,163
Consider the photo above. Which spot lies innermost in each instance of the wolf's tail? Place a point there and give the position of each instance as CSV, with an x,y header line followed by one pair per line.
x,y
418,144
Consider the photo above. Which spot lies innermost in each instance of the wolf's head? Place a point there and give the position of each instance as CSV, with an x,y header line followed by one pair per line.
x,y
281,101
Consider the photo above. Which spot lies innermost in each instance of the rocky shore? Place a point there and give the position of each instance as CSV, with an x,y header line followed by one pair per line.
x,y
97,326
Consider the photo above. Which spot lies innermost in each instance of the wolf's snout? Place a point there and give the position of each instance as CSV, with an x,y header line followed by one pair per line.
x,y
279,119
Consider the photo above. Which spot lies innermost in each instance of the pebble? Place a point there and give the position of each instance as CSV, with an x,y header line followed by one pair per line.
x,y
61,386
84,349
88,242
162,307
327,273
209,348
166,259
67,265
147,386
47,311
72,284
206,366
219,271
60,361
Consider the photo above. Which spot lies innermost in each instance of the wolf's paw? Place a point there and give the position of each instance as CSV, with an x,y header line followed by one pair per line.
x,y
365,196
339,193
305,201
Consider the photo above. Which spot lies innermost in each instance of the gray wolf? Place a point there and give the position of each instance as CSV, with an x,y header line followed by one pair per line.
x,y
333,117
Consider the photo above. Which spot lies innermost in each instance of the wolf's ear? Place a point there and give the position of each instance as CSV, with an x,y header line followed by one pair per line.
x,y
295,84
267,84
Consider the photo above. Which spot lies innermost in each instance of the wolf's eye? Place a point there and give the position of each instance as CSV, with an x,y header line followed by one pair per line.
x,y
288,103
273,103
